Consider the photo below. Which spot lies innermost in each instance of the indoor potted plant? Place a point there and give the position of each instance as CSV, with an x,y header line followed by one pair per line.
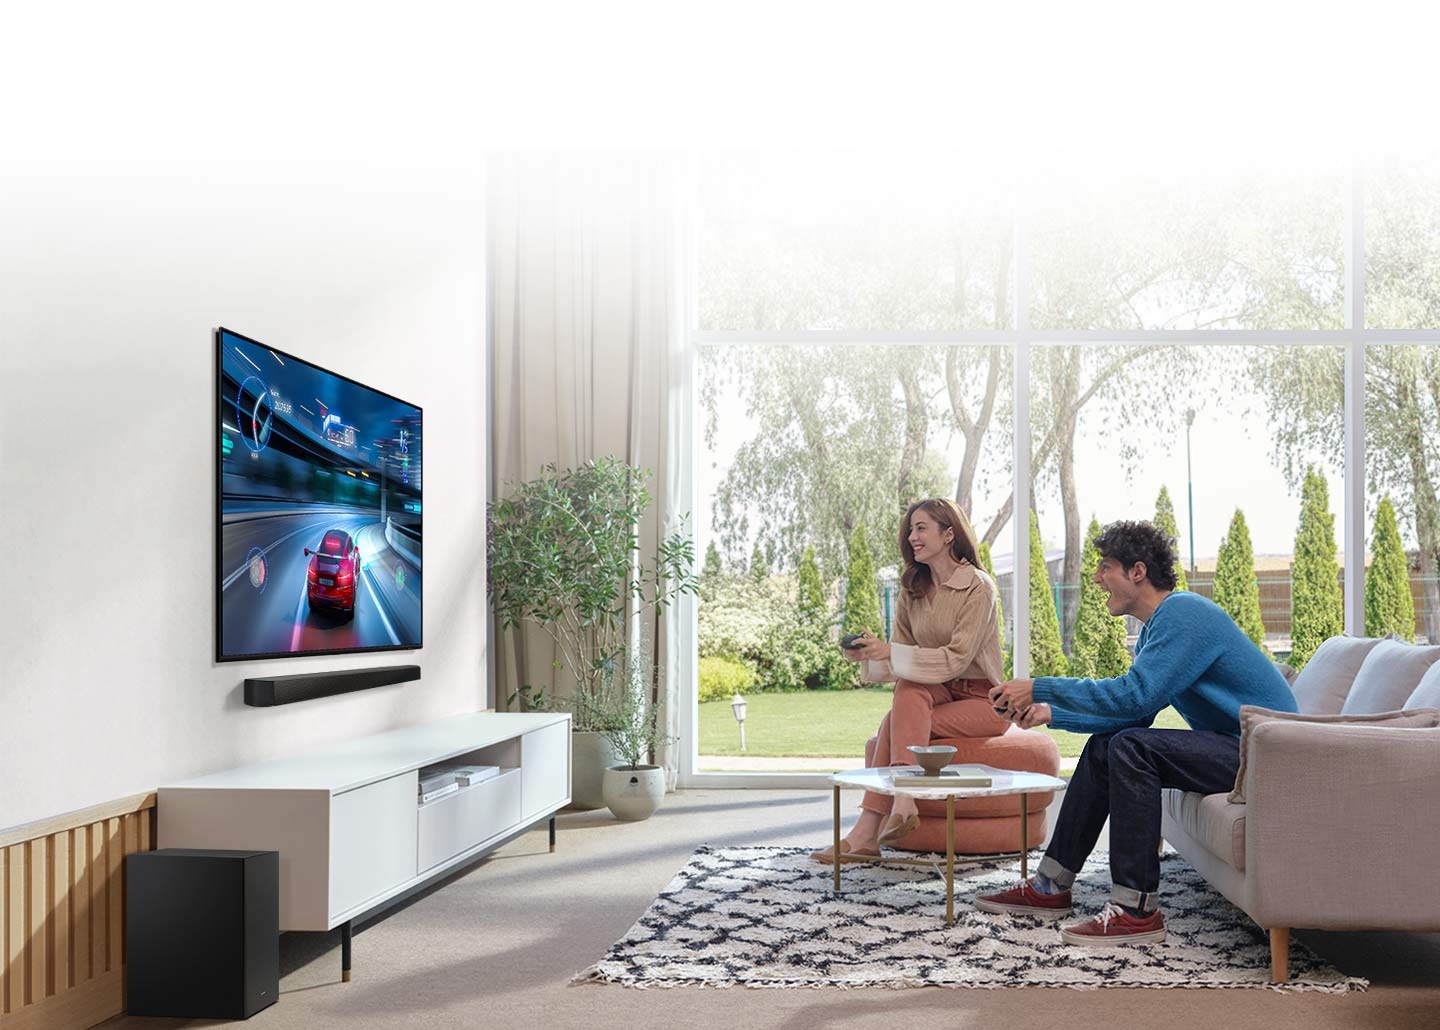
x,y
633,788
564,554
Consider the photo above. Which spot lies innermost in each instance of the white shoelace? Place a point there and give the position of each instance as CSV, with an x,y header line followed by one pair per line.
x,y
1109,912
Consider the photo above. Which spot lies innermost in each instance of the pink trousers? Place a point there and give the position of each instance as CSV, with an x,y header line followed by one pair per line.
x,y
922,712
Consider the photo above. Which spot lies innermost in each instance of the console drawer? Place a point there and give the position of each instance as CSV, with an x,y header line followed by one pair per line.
x,y
459,821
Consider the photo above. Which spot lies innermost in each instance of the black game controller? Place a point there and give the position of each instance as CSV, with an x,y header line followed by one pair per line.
x,y
852,641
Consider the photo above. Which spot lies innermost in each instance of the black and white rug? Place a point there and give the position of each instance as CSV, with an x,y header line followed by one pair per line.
x,y
766,917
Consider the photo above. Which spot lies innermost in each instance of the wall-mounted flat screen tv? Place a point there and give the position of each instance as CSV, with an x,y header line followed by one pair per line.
x,y
318,494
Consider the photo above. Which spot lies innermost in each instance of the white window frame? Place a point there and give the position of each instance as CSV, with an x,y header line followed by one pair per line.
x,y
1023,339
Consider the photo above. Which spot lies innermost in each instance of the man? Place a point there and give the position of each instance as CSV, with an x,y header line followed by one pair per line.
x,y
1191,655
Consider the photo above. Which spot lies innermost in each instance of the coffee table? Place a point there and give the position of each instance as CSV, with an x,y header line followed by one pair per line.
x,y
883,781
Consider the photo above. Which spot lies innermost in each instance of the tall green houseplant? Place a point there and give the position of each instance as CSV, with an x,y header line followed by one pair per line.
x,y
565,556
1316,613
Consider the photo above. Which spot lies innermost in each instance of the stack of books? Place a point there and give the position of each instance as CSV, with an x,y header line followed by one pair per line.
x,y
950,776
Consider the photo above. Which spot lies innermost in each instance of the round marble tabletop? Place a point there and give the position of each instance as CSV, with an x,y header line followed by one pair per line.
x,y
1002,781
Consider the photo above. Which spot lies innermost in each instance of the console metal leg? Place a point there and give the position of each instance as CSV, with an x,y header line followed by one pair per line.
x,y
345,951
950,860
552,834
1024,837
835,853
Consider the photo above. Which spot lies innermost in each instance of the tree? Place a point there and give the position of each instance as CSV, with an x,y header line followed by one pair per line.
x,y
1236,589
1099,649
811,594
862,593
759,568
1389,608
1316,611
712,567
1047,656
986,564
1165,522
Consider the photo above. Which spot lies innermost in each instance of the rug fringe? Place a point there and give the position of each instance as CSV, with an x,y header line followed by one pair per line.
x,y
596,975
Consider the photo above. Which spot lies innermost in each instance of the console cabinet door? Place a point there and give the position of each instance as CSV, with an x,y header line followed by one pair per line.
x,y
545,762
372,840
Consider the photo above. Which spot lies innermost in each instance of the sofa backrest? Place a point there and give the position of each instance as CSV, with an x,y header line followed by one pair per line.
x,y
1323,684
1388,676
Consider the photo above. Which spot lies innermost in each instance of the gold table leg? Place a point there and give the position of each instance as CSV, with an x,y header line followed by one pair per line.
x,y
835,852
1024,838
950,860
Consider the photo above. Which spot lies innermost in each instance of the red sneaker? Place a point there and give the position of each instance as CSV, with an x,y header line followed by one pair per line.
x,y
1116,926
1025,900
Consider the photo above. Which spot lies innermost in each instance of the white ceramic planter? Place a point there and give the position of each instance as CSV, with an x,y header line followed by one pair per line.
x,y
634,794
590,755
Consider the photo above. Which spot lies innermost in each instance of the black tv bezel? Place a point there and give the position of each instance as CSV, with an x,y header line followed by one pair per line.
x,y
218,514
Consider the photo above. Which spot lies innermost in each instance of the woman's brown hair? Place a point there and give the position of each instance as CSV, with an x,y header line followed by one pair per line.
x,y
948,515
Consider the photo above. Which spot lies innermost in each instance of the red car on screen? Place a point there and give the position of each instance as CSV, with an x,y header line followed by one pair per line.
x,y
334,568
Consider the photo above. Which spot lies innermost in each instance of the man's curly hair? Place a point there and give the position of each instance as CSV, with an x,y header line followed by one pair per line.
x,y
1131,542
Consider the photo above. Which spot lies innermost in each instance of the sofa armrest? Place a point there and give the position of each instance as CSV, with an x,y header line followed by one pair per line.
x,y
1340,820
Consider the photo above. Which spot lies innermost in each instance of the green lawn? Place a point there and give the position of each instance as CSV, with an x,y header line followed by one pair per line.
x,y
827,724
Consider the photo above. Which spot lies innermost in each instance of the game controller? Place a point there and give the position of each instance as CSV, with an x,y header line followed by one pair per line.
x,y
852,641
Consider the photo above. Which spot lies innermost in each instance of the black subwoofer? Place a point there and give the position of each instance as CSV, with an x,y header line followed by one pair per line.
x,y
202,933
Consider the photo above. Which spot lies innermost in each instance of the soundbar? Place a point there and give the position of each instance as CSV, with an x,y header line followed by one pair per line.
x,y
283,690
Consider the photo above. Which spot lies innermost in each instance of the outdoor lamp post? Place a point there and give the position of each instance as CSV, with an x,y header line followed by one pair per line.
x,y
737,705
1189,488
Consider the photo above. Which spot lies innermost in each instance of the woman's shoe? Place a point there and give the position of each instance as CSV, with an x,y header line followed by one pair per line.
x,y
847,854
897,826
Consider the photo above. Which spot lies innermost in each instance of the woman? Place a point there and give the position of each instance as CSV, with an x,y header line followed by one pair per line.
x,y
944,656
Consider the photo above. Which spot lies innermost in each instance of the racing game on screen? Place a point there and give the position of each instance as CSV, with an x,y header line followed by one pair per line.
x,y
320,517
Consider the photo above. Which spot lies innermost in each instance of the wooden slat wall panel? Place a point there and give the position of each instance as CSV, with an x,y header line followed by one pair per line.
x,y
80,903
15,924
62,915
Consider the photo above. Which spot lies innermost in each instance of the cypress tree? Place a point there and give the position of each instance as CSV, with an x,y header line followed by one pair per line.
x,y
985,563
862,593
1047,656
759,569
1165,522
811,600
1099,650
1236,589
1389,608
1316,611
712,568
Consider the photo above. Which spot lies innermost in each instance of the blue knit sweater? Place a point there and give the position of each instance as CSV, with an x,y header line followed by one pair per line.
x,y
1190,655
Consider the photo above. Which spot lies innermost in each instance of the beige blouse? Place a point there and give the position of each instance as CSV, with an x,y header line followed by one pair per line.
x,y
953,635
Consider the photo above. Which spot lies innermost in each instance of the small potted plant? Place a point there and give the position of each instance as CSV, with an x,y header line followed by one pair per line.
x,y
633,788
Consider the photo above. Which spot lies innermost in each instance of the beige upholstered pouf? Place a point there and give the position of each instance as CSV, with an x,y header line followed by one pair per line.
x,y
988,826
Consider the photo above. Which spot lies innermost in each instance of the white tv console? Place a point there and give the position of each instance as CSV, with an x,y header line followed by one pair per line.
x,y
347,822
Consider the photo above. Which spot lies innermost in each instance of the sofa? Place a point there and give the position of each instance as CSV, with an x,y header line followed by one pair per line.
x,y
1332,825
988,826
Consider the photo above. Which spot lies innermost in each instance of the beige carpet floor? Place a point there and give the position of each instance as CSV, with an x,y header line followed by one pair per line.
x,y
496,945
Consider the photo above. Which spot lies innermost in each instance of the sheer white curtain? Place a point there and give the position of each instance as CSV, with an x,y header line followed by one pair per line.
x,y
589,340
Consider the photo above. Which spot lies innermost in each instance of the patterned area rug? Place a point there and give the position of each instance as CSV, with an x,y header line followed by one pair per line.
x,y
766,917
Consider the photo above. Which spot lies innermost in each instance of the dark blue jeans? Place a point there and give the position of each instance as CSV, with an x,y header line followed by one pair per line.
x,y
1119,776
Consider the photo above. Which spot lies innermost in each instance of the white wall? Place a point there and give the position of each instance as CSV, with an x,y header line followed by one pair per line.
x,y
114,268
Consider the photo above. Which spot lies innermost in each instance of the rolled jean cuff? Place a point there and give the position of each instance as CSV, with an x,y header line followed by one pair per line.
x,y
1056,873
1145,901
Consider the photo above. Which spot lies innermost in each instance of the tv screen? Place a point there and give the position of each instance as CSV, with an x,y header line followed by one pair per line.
x,y
318,488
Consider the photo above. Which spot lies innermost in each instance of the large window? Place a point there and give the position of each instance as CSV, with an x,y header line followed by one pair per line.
x,y
1184,340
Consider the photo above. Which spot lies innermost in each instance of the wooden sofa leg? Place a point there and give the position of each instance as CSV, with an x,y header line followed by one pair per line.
x,y
1280,954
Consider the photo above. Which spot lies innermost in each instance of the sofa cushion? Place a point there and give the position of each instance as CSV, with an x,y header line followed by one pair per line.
x,y
1388,676
1321,686
1212,820
1427,693
1252,716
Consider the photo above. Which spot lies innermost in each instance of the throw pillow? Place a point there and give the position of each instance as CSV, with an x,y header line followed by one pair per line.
x,y
1427,693
1388,677
1321,687
1253,715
